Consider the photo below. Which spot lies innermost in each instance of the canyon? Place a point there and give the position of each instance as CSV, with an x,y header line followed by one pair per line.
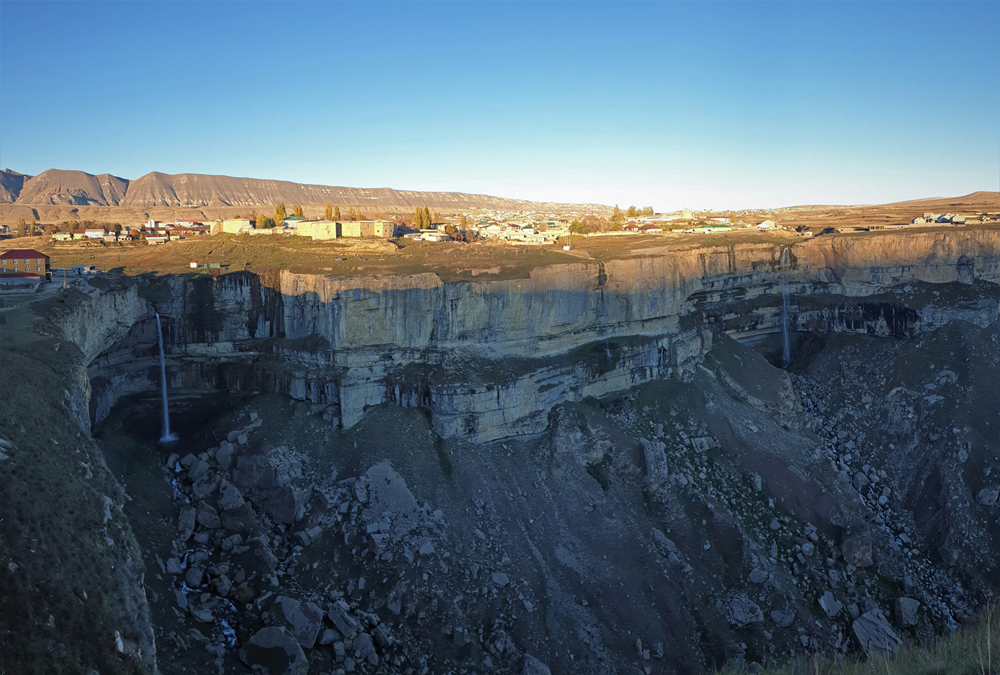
x,y
600,467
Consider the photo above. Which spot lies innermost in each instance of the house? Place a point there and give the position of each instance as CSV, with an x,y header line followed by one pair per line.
x,y
293,221
316,229
918,221
384,229
236,226
85,270
79,234
95,233
765,225
24,263
62,236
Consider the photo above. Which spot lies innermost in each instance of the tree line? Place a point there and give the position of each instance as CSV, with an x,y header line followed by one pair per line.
x,y
331,212
592,224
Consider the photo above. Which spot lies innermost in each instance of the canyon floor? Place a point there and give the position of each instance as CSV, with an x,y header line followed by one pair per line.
x,y
751,515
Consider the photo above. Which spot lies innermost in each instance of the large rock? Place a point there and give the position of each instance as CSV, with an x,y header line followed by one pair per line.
x,y
283,505
303,619
906,612
272,651
874,634
857,549
341,618
830,604
186,522
254,472
208,517
988,496
533,666
230,497
741,611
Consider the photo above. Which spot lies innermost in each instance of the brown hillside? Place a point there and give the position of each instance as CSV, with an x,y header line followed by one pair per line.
x,y
57,187
11,183
186,189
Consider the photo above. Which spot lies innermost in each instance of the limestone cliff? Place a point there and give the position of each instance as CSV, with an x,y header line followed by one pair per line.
x,y
488,359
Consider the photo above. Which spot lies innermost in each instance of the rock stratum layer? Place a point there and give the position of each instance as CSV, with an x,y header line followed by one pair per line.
x,y
489,359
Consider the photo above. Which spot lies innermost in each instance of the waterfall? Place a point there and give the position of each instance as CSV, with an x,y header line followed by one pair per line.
x,y
167,436
786,351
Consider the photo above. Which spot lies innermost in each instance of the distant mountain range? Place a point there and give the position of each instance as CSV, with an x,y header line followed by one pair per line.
x,y
57,187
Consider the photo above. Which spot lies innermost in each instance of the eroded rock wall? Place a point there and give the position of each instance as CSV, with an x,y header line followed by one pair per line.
x,y
490,358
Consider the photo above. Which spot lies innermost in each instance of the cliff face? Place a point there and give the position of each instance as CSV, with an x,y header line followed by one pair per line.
x,y
490,358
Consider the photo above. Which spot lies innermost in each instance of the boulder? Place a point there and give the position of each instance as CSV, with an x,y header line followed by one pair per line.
x,y
782,617
906,612
949,555
364,649
186,522
272,651
224,455
874,634
344,622
830,604
230,497
193,577
988,496
860,481
242,518
198,471
500,579
254,472
533,666
208,517
303,619
741,611
282,505
857,549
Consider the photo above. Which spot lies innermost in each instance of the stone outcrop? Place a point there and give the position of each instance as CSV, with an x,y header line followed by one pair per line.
x,y
489,359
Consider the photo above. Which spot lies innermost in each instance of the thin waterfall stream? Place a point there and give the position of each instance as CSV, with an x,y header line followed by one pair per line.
x,y
167,436
786,352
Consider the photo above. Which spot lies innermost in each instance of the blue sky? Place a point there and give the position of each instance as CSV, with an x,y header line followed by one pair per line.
x,y
723,105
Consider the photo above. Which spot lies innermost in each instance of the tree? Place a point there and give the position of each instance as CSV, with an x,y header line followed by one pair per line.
x,y
632,212
328,214
336,213
464,225
617,217
428,221
298,211
263,222
22,227
118,228
648,211
576,227
279,213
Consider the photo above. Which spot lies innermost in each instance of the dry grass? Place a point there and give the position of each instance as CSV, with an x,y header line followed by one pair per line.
x,y
974,650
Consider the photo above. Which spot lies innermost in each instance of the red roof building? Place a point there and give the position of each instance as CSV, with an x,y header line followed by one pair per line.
x,y
22,261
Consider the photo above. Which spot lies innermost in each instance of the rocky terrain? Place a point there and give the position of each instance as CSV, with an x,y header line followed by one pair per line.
x,y
666,463
56,187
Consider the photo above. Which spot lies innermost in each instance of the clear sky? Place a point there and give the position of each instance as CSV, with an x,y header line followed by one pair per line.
x,y
673,105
